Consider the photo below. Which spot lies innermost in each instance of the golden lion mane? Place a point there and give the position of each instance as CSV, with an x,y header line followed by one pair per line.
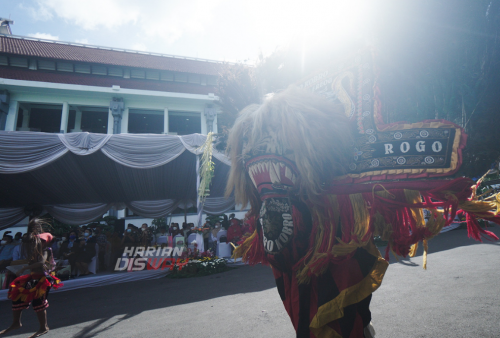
x,y
295,123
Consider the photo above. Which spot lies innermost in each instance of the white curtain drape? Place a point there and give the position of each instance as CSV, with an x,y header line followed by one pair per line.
x,y
153,209
76,214
82,213
11,216
26,156
26,151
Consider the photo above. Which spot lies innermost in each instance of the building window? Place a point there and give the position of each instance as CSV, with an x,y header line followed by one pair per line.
x,y
46,65
99,70
194,78
44,118
85,69
19,62
95,121
137,74
212,80
113,71
152,75
64,67
167,76
181,77
145,121
184,123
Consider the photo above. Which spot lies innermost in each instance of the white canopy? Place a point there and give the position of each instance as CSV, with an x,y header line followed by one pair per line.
x,y
77,177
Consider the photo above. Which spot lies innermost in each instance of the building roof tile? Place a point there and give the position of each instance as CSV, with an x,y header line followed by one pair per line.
x,y
93,54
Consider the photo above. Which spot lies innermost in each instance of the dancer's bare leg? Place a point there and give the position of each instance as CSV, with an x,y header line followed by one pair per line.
x,y
16,322
42,320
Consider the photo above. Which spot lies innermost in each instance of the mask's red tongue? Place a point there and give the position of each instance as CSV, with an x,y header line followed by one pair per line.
x,y
272,175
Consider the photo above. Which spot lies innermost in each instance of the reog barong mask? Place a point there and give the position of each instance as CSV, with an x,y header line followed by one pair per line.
x,y
323,175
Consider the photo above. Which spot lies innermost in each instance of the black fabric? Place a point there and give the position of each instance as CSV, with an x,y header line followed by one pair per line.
x,y
280,284
70,177
364,310
327,289
351,312
365,261
347,322
304,311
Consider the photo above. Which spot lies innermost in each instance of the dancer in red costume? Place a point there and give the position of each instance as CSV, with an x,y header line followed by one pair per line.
x,y
316,202
34,287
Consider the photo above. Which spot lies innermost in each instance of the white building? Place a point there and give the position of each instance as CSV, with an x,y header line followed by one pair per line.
x,y
62,87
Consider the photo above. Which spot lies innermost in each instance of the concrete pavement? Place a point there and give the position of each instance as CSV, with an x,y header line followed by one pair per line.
x,y
458,296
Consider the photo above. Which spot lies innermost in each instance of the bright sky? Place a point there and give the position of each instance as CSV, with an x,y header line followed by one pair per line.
x,y
231,30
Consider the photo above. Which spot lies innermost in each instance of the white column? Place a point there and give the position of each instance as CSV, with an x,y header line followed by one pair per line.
x,y
78,121
203,123
26,120
124,129
110,122
64,118
11,122
165,121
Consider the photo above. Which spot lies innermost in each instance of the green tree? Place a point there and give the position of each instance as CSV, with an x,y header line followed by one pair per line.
x,y
436,59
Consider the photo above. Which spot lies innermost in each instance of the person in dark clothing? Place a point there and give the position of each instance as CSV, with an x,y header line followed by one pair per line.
x,y
130,238
86,252
225,223
69,249
102,240
145,235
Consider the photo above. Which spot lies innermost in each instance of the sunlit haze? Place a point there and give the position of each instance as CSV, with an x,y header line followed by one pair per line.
x,y
217,29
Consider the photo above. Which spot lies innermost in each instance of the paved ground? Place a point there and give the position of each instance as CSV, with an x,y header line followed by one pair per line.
x,y
458,296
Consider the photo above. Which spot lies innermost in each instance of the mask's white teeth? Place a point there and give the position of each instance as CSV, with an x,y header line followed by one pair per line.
x,y
253,180
294,179
273,175
253,170
275,169
288,173
251,173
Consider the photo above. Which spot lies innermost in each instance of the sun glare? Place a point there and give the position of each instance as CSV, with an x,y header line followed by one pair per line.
x,y
279,23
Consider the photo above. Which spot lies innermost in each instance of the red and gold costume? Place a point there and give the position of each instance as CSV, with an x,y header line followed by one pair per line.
x,y
323,179
32,289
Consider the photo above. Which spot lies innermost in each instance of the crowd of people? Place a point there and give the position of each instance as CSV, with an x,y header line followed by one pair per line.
x,y
75,251
227,230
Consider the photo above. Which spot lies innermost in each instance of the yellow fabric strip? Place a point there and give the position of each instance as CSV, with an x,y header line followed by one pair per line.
x,y
242,250
334,309
425,254
361,215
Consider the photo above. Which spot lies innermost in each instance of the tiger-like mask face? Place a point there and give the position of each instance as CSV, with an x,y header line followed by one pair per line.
x,y
289,147
274,176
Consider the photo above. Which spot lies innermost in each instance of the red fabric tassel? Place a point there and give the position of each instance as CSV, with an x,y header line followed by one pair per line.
x,y
475,231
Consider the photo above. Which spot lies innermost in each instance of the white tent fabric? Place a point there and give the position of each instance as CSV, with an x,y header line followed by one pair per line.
x,y
76,214
11,216
77,177
25,151
82,213
153,209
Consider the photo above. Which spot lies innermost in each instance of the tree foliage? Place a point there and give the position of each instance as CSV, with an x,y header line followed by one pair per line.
x,y
436,60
